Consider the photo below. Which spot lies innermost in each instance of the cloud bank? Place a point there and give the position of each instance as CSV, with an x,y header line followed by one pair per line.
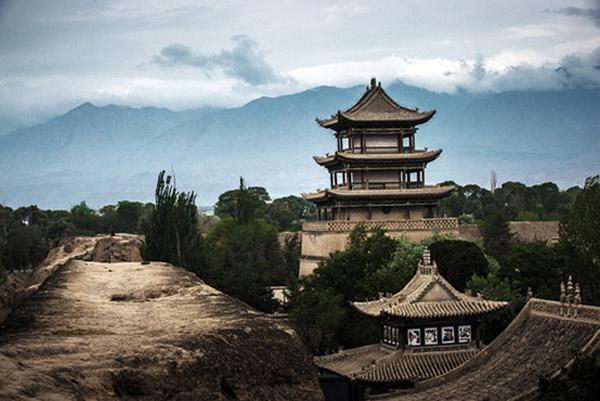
x,y
244,62
513,69
593,14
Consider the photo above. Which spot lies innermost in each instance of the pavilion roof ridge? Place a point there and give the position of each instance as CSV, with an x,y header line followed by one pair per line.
x,y
428,295
376,105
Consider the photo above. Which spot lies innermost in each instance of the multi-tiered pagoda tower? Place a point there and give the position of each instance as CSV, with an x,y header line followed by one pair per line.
x,y
377,173
377,176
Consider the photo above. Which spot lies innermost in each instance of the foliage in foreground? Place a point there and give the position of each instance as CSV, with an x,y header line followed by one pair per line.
x,y
373,263
240,255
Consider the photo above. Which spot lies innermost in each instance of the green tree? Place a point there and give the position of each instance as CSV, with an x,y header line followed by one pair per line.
x,y
243,203
498,241
172,232
128,216
326,294
290,212
457,261
495,286
580,228
534,266
84,219
244,260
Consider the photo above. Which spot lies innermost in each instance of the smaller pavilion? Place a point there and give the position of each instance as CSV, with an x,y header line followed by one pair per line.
x,y
427,329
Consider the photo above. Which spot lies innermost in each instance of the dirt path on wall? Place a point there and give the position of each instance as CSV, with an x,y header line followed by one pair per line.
x,y
97,330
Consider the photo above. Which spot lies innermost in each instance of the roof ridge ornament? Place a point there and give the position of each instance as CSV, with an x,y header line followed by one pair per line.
x,y
373,83
425,266
570,298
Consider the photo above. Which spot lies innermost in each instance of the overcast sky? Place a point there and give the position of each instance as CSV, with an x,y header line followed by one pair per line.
x,y
180,54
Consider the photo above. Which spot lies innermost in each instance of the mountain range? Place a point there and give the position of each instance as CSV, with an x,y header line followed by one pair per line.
x,y
111,153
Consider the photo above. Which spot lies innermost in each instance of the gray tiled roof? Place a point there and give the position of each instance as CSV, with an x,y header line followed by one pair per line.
x,y
427,192
539,342
428,296
376,106
378,364
420,157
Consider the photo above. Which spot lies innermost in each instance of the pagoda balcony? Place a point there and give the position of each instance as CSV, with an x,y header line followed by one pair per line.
x,y
440,223
385,185
384,149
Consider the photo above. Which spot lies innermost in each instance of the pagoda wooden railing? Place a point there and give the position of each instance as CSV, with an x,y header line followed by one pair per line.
x,y
386,185
446,223
384,149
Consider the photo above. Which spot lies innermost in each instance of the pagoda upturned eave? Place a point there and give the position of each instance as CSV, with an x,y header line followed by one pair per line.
x,y
375,106
428,296
426,192
377,158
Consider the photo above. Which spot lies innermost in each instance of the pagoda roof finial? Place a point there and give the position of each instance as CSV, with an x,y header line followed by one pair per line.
x,y
373,83
427,296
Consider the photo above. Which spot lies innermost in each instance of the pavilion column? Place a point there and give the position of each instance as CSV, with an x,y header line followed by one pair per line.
x,y
364,143
370,215
319,214
401,335
325,211
366,172
331,180
423,177
335,178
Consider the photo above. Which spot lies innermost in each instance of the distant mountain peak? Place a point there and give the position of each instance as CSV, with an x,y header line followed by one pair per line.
x,y
86,105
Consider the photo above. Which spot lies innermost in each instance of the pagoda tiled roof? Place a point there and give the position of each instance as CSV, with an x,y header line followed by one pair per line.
x,y
426,192
428,296
377,364
542,341
376,106
415,157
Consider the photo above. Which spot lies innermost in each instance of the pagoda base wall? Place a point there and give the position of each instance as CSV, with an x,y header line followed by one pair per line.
x,y
320,238
377,213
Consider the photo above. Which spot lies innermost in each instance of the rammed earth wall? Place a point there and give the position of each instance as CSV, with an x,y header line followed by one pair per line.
x,y
320,238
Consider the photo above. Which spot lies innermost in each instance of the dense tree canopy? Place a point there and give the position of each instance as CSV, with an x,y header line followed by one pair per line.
x,y
372,263
241,254
581,227
458,261
513,201
172,232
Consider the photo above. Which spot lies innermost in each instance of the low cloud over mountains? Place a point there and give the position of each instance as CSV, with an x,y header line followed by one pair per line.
x,y
111,153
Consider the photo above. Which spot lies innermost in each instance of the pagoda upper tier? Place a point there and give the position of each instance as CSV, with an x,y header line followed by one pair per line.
x,y
339,159
376,172
376,106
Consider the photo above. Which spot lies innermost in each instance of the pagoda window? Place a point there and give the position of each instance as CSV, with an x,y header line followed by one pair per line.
x,y
389,334
431,212
344,144
406,142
